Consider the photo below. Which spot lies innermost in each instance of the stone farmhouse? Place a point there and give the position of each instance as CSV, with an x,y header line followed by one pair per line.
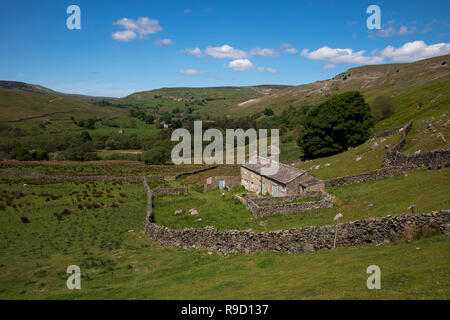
x,y
287,181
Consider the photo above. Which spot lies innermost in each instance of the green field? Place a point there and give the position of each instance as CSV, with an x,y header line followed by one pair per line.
x,y
359,201
118,262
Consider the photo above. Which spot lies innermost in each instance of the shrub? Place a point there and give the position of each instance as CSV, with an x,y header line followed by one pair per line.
x,y
157,155
382,107
25,220
412,233
67,212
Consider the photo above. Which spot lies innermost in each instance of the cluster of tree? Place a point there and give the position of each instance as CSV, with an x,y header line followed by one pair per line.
x,y
63,147
147,118
172,123
342,121
23,154
86,123
8,131
103,103
290,119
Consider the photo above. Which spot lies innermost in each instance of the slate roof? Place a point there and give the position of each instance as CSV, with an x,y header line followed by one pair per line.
x,y
284,175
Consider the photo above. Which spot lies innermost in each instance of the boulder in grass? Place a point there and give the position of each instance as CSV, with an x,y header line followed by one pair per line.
x,y
178,212
193,212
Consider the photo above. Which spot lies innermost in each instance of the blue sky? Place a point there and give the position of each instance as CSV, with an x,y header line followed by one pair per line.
x,y
128,46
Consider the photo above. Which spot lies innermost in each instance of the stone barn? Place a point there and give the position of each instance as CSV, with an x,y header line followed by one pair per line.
x,y
221,182
286,182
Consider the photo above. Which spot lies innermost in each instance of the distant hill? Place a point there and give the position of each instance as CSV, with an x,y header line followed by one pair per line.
x,y
418,89
209,101
425,82
5,84
29,106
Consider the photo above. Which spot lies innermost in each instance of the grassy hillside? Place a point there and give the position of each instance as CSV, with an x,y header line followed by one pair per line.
x,y
425,81
210,102
25,109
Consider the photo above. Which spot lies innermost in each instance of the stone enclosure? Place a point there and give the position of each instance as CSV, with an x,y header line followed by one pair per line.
x,y
268,206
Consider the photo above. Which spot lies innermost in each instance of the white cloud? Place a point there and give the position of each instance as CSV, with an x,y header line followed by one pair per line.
x,y
164,42
141,26
228,52
416,50
389,32
195,52
225,52
393,30
240,65
405,30
336,56
288,48
291,50
126,35
269,70
191,72
263,52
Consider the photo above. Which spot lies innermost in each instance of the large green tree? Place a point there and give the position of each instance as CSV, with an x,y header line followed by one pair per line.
x,y
342,121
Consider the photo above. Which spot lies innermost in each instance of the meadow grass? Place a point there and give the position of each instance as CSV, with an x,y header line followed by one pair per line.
x,y
118,262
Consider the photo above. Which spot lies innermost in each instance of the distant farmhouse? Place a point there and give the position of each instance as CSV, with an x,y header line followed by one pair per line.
x,y
287,181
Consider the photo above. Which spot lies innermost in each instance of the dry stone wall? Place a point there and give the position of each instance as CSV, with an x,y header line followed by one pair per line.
x,y
358,233
433,160
267,206
194,172
386,133
171,191
66,177
396,162
366,176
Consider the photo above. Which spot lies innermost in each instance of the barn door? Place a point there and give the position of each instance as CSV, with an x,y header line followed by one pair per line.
x,y
274,190
263,188
222,184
